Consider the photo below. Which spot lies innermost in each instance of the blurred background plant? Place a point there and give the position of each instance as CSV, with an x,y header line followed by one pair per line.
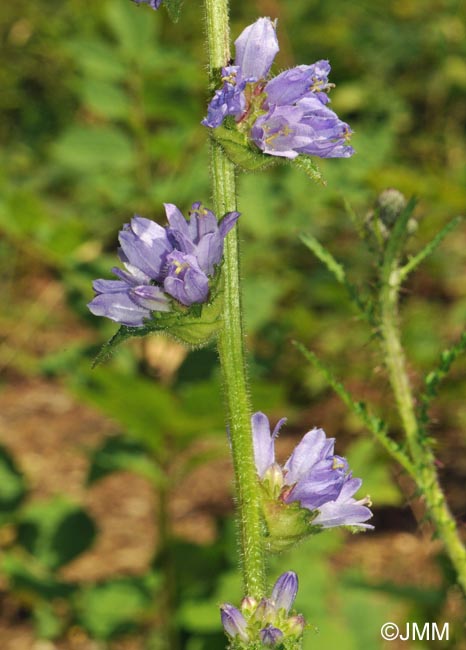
x,y
114,494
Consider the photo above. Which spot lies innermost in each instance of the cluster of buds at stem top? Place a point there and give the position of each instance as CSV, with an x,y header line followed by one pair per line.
x,y
267,623
284,116
165,268
313,490
380,221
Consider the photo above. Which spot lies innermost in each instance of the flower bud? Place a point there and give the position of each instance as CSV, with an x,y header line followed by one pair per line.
x,y
390,204
296,625
285,590
273,480
248,605
271,635
265,612
234,622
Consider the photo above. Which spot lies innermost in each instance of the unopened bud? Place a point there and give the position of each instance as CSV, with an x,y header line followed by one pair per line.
x,y
271,635
265,612
273,480
296,625
234,622
248,605
390,204
285,590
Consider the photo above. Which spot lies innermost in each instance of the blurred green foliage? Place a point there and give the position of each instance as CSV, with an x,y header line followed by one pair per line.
x,y
100,110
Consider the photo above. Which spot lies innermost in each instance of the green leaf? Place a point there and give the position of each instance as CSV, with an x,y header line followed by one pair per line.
x,y
436,376
308,165
173,8
144,409
376,425
123,454
89,149
12,484
106,99
430,248
338,271
97,59
325,256
33,580
55,531
238,150
132,25
49,624
112,608
195,327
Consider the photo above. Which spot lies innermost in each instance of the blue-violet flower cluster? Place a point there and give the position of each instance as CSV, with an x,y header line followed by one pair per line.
x,y
269,621
313,476
286,115
155,4
163,263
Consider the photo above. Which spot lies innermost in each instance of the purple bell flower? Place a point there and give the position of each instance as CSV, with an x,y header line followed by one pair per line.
x,y
202,236
280,132
155,4
185,281
292,85
162,264
284,116
308,127
313,476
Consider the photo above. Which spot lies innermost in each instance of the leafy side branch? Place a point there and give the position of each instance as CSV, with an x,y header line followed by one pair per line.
x,y
416,456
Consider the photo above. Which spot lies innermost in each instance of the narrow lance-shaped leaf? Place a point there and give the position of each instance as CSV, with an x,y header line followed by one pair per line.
x,y
240,152
433,379
308,165
173,9
338,271
430,248
376,425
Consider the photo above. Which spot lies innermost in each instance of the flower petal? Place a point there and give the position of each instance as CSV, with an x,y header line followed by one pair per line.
x,y
264,452
150,297
120,308
306,454
256,48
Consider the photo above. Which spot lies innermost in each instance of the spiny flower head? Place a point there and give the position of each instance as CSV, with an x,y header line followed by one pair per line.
x,y
163,265
283,116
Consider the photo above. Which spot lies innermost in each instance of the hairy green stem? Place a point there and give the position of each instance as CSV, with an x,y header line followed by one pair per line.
x,y
421,454
231,337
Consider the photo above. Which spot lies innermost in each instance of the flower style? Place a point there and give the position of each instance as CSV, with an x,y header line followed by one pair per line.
x,y
162,264
155,4
267,621
313,476
286,115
